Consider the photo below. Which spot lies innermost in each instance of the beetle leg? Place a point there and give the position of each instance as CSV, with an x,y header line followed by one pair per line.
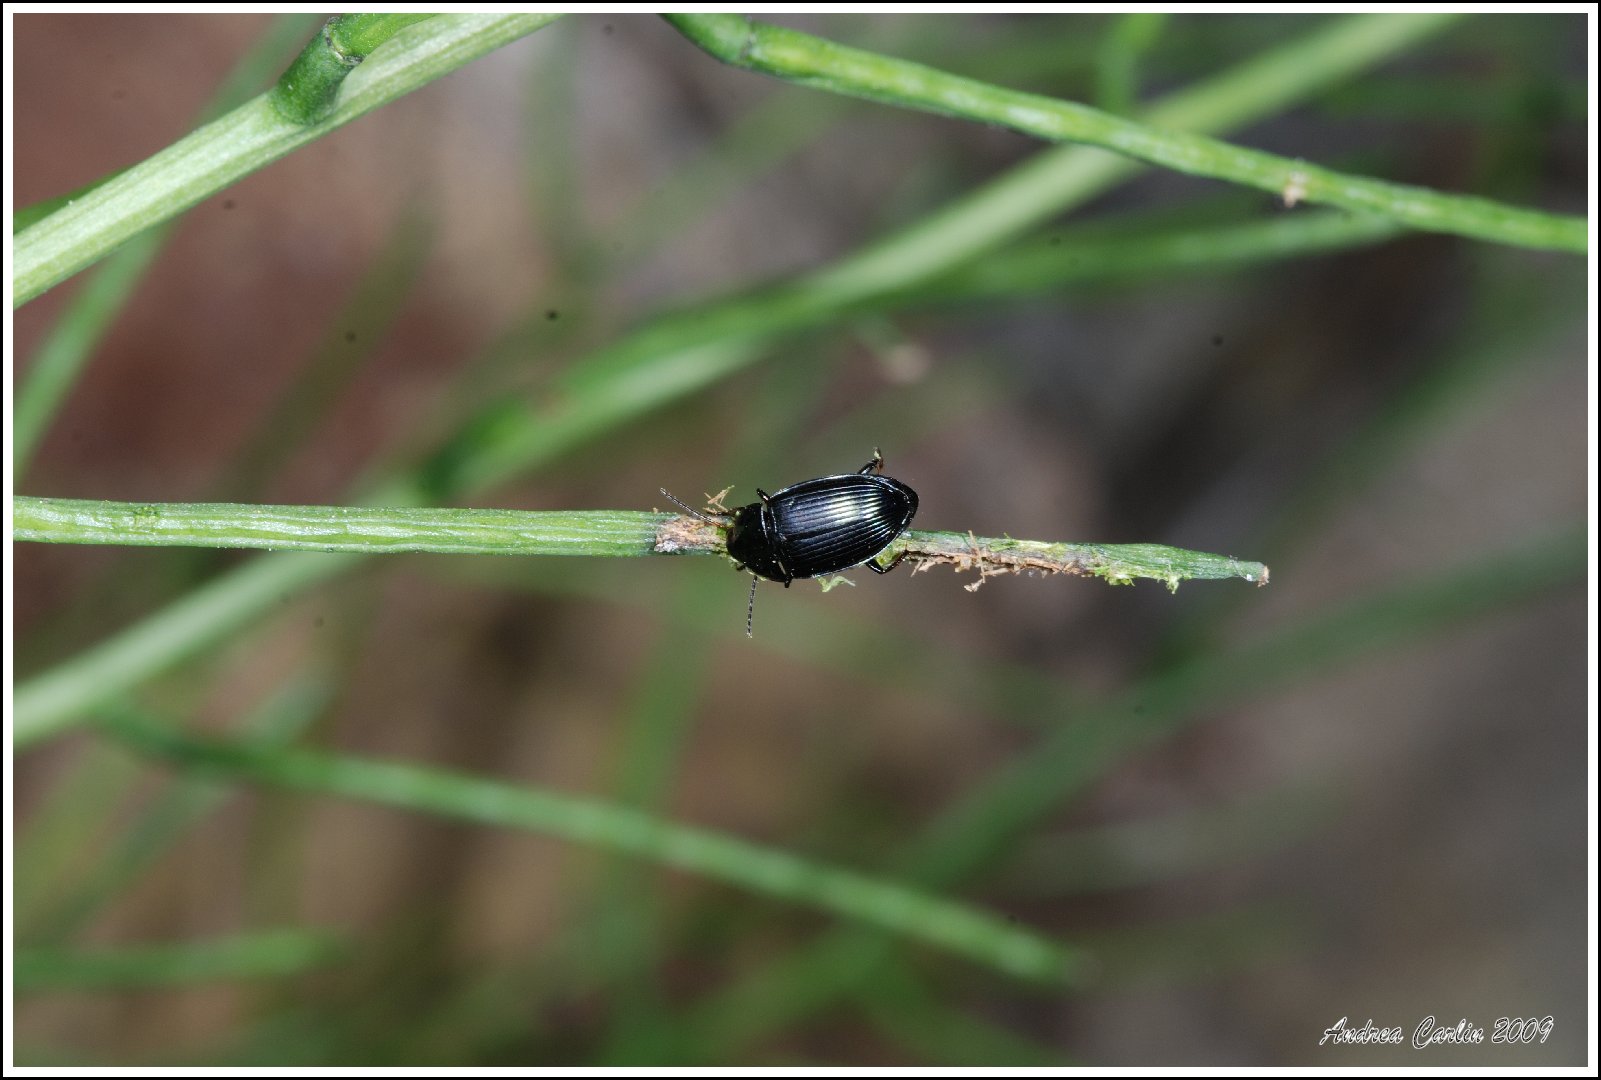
x,y
873,565
750,608
874,466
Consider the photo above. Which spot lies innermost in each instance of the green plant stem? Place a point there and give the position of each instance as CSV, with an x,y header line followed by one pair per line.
x,y
858,897
359,529
306,93
245,956
813,61
249,137
1117,564
617,533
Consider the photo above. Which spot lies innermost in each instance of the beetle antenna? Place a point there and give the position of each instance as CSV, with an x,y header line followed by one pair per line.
x,y
690,509
750,609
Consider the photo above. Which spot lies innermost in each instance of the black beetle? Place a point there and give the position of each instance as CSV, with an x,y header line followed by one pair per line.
x,y
817,527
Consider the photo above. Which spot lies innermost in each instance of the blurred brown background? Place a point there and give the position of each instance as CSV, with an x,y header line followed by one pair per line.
x,y
1434,846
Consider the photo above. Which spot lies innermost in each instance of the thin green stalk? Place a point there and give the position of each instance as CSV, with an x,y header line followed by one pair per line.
x,y
858,897
268,954
682,353
249,137
1117,564
370,530
813,61
357,529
